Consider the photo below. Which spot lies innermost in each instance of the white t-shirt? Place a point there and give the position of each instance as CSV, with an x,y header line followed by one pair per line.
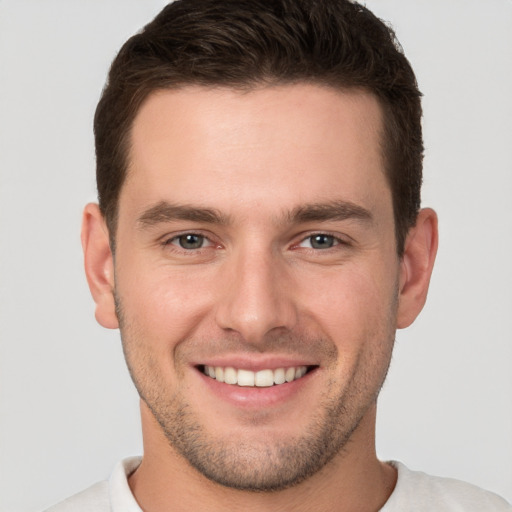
x,y
414,492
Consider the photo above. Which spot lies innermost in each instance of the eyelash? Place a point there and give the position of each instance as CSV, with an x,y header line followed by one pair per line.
x,y
170,241
174,241
336,241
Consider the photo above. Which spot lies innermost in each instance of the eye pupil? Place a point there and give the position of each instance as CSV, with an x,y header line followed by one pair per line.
x,y
191,241
322,241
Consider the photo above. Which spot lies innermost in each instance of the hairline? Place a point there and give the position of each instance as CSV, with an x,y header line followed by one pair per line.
x,y
143,94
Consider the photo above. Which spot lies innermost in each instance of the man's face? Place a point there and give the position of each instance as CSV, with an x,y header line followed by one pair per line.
x,y
255,241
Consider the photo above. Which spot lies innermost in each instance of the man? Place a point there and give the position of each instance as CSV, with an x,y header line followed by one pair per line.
x,y
258,241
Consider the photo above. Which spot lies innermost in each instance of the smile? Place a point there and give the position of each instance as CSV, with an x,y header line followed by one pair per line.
x,y
248,378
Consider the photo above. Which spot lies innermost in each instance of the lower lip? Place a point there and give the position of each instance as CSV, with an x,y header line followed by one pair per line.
x,y
256,397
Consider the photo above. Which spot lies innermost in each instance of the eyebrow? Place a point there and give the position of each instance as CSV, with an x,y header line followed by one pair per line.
x,y
331,211
315,212
166,212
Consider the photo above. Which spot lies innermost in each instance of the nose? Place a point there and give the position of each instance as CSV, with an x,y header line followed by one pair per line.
x,y
257,296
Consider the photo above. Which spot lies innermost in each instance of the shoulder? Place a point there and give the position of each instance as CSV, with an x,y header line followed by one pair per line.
x,y
95,498
421,492
113,495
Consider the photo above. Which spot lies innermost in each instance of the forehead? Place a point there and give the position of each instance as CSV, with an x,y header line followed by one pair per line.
x,y
219,145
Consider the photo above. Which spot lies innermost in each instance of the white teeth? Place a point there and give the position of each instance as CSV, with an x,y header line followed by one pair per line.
x,y
262,378
290,374
279,376
300,372
219,373
230,376
245,378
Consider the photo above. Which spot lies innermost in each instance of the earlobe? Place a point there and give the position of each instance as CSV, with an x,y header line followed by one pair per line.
x,y
416,267
99,265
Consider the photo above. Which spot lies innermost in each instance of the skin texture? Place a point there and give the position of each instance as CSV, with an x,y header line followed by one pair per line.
x,y
255,175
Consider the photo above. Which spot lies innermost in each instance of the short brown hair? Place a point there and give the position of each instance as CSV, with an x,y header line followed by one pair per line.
x,y
247,43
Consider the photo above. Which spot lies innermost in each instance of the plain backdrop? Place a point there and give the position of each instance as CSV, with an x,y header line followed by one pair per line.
x,y
68,410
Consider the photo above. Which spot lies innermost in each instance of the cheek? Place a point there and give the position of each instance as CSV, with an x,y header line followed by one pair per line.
x,y
163,303
359,317
355,308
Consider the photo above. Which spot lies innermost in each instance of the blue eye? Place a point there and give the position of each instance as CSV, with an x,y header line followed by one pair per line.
x,y
190,241
320,241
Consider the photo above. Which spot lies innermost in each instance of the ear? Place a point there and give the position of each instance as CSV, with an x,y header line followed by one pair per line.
x,y
416,267
99,265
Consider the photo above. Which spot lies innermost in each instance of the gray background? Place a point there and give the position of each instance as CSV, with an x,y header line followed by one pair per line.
x,y
68,411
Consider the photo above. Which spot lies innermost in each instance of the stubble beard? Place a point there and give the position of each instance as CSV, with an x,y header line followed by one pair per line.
x,y
258,465
252,464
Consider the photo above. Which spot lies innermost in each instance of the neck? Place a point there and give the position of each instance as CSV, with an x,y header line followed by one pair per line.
x,y
354,480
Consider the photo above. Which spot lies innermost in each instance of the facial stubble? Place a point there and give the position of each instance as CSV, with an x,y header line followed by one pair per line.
x,y
250,464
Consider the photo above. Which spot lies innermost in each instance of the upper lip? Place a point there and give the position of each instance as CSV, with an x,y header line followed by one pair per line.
x,y
255,363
